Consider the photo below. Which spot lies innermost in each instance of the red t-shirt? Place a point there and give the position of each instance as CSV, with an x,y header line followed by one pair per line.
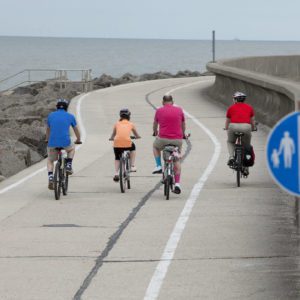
x,y
240,113
169,118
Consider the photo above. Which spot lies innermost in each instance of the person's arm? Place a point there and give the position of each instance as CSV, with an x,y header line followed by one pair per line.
x,y
47,134
137,136
155,128
113,134
183,127
77,134
227,122
253,125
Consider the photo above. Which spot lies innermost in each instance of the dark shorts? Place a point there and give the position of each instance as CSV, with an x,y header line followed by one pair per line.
x,y
118,151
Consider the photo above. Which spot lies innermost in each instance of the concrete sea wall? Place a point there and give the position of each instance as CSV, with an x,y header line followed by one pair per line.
x,y
271,83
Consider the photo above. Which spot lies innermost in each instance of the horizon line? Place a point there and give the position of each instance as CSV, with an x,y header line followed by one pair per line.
x,y
139,38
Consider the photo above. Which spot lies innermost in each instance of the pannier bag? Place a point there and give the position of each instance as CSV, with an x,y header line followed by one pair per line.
x,y
249,156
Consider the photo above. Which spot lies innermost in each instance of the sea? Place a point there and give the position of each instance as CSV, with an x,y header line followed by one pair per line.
x,y
118,56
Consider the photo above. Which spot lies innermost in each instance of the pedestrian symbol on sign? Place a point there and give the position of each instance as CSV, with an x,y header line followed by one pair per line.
x,y
283,155
287,148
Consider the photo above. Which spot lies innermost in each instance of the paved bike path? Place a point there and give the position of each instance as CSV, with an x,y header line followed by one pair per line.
x,y
97,243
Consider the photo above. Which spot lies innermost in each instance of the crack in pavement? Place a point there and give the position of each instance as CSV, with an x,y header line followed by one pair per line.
x,y
117,234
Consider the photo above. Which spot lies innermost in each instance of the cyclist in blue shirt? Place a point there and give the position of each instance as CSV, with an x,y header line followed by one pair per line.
x,y
58,135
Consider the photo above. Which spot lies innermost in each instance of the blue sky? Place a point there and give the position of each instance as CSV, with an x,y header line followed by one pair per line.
x,y
161,19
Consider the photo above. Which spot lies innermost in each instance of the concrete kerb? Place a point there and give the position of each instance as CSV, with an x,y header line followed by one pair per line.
x,y
277,96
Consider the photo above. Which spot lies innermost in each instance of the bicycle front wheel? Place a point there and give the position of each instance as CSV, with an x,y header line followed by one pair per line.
x,y
57,183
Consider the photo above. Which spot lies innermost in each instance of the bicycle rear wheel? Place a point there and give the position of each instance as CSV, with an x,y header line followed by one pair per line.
x,y
168,184
57,183
238,169
65,182
122,176
127,174
238,177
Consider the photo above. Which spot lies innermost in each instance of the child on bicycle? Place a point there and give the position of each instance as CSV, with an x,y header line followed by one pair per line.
x,y
121,136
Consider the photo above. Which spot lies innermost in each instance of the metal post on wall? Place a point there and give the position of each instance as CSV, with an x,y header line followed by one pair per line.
x,y
213,46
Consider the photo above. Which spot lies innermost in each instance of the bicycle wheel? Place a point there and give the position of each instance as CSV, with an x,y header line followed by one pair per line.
x,y
168,183
122,176
65,182
127,174
56,179
238,177
238,169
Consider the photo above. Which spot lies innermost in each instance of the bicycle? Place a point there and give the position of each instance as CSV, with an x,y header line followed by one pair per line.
x,y
61,177
124,171
238,161
170,156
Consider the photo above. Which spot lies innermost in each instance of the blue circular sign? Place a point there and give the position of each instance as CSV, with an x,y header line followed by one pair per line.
x,y
283,153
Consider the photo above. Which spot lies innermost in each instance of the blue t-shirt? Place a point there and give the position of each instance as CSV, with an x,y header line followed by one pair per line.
x,y
59,123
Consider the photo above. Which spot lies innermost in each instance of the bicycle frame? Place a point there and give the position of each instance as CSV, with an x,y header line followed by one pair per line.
x,y
169,173
238,158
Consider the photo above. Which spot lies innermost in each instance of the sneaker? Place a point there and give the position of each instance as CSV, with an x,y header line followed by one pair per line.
x,y
69,169
116,178
246,171
133,169
230,162
51,183
157,170
177,189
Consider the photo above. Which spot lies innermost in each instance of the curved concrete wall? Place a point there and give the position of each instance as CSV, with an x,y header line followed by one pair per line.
x,y
271,84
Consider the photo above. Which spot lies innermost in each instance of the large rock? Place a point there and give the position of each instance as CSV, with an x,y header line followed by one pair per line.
x,y
23,113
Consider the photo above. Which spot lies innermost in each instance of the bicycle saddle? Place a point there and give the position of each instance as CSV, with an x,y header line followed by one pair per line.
x,y
238,133
59,148
170,148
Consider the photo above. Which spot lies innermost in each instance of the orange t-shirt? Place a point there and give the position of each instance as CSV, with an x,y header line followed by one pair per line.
x,y
123,131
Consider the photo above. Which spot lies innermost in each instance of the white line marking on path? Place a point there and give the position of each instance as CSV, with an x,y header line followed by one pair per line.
x,y
83,134
169,251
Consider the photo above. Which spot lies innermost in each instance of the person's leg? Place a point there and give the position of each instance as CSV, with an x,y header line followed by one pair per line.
x,y
117,166
132,150
50,165
231,140
157,156
70,155
52,156
177,170
118,153
246,129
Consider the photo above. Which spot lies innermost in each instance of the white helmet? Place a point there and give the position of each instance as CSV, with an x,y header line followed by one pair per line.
x,y
239,97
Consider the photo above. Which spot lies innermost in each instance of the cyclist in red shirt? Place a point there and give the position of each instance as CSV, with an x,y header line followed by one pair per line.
x,y
239,117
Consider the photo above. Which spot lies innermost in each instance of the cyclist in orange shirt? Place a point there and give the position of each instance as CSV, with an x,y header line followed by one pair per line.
x,y
122,141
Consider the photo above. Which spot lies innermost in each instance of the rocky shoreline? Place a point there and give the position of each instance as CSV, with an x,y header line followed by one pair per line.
x,y
24,111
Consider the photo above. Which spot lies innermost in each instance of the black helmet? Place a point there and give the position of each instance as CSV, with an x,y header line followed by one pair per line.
x,y
239,97
125,113
167,98
62,103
